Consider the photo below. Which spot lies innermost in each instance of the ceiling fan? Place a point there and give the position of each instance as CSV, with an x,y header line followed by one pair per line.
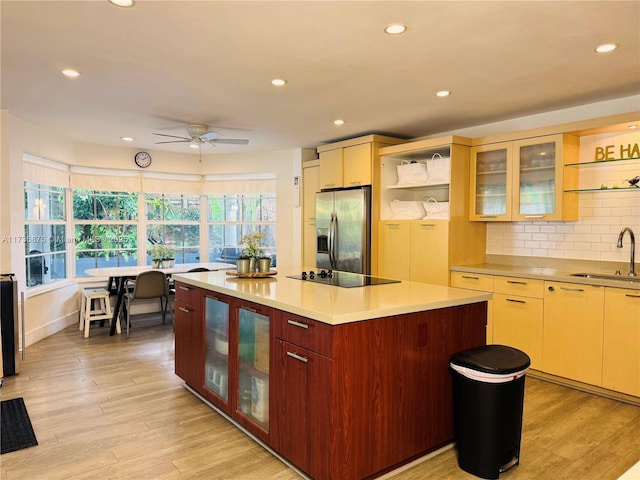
x,y
200,134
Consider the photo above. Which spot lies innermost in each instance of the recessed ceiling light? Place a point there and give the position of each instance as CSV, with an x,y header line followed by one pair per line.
x,y
278,82
338,122
122,3
632,126
395,29
606,48
443,93
127,139
71,73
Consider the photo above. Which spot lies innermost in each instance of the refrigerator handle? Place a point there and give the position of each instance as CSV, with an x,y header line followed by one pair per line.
x,y
332,235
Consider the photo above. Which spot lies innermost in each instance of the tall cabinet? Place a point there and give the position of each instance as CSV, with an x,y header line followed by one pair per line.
x,y
424,227
525,179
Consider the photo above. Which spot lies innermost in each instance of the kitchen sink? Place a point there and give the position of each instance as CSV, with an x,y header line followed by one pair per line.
x,y
604,276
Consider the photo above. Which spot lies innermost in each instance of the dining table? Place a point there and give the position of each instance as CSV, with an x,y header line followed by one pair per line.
x,y
121,274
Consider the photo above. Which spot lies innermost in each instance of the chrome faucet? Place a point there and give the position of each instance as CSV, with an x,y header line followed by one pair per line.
x,y
632,267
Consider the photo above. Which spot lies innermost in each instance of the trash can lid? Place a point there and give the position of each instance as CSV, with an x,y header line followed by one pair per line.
x,y
496,359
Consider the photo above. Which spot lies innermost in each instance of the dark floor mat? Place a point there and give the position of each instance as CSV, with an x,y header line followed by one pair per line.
x,y
16,430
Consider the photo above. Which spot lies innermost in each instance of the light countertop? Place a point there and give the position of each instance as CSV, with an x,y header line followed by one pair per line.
x,y
559,273
331,304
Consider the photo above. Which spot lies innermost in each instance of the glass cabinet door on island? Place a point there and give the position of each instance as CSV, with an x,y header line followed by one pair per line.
x,y
216,367
253,366
491,182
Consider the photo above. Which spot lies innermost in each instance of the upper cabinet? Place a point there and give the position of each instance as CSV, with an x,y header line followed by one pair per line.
x,y
350,163
525,179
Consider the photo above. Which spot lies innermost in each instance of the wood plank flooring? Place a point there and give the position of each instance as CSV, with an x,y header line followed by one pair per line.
x,y
112,408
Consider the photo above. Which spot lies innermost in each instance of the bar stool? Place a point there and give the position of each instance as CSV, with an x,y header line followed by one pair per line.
x,y
95,306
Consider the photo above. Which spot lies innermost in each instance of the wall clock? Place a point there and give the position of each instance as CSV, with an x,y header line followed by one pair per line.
x,y
142,159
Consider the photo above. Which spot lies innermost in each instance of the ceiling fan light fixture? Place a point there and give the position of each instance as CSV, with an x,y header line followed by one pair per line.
x,y
122,3
606,47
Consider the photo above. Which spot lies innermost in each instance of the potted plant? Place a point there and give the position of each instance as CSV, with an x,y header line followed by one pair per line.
x,y
162,256
251,250
264,263
157,255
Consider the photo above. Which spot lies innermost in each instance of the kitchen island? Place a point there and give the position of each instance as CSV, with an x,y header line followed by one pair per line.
x,y
343,383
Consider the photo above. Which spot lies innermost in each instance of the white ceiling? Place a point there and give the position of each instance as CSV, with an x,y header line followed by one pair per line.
x,y
163,64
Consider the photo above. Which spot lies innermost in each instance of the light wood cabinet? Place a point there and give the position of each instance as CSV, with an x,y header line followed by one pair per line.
x,y
394,254
573,331
435,240
331,175
478,282
621,355
524,179
518,315
352,163
429,252
310,186
357,167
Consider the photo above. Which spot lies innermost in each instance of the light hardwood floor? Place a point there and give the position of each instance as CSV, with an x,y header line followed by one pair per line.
x,y
111,408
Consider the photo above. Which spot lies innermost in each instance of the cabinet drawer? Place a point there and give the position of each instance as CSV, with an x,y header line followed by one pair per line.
x,y
304,332
525,287
472,281
188,294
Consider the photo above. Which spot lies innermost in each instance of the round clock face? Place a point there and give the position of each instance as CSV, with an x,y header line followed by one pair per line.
x,y
143,159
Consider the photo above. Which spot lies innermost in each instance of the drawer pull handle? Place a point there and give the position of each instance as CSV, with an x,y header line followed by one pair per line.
x,y
427,224
297,357
186,289
572,289
632,296
185,310
516,283
470,278
515,301
297,324
534,216
488,216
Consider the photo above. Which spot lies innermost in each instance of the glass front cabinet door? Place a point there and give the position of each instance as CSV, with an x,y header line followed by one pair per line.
x,y
216,366
538,178
491,171
253,366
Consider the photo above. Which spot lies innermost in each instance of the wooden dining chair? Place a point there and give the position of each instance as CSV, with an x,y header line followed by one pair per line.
x,y
151,284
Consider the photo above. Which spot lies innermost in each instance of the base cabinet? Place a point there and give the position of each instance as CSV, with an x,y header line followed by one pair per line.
x,y
518,315
356,399
573,331
621,352
189,340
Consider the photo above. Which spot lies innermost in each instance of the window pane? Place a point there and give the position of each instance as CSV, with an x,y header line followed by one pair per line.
x,y
106,207
251,209
153,206
83,205
58,241
216,235
192,208
191,235
58,263
128,207
268,209
216,208
173,208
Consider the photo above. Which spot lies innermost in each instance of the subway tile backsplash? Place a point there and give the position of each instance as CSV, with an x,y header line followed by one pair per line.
x,y
602,215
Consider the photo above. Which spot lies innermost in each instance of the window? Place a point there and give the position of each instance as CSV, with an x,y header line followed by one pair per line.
x,y
45,237
231,216
174,220
106,229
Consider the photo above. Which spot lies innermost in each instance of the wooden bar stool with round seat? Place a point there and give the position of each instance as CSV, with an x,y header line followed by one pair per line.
x,y
95,306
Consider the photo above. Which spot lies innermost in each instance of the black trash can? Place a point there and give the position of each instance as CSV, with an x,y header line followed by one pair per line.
x,y
488,393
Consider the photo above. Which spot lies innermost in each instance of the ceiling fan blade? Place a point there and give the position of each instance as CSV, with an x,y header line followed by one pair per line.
x,y
230,141
174,141
187,139
211,135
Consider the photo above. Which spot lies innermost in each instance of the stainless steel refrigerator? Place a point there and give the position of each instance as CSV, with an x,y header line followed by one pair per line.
x,y
343,230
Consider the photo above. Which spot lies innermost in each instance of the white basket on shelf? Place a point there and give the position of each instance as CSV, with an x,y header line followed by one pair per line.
x,y
406,210
435,210
439,168
411,173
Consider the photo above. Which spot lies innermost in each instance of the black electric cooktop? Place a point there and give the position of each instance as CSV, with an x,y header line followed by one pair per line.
x,y
341,279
